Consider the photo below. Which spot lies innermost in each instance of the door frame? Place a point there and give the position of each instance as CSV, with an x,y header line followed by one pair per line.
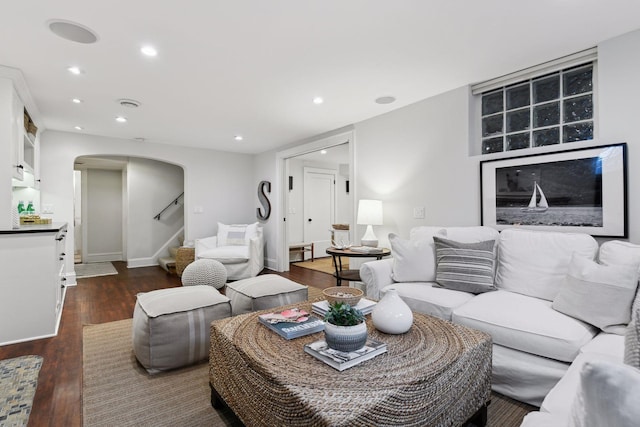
x,y
334,176
342,136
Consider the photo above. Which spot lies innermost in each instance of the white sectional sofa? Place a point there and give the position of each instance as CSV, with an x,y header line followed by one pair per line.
x,y
545,302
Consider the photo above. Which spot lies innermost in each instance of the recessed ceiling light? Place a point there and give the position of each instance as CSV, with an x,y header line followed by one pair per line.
x,y
121,119
149,50
76,101
140,139
238,138
74,70
73,31
323,151
318,100
78,127
385,100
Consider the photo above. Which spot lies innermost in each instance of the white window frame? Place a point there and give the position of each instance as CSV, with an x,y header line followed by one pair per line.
x,y
526,76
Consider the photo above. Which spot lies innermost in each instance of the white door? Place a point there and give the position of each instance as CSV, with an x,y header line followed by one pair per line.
x,y
319,207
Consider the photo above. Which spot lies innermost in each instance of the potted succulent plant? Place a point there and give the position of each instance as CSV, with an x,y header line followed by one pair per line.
x,y
345,328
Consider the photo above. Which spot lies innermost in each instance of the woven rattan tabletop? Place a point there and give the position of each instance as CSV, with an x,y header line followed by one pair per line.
x,y
438,373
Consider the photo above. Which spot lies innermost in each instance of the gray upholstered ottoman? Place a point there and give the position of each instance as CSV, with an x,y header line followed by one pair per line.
x,y
263,292
171,327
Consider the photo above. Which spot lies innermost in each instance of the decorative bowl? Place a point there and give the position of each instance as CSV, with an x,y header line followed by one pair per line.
x,y
343,294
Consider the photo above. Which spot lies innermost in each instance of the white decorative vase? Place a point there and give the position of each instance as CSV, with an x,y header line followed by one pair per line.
x,y
392,315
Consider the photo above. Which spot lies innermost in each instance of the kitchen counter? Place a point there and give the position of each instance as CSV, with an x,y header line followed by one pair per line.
x,y
36,228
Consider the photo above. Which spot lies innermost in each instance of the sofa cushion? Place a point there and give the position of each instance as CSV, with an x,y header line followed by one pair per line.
x,y
558,401
470,234
525,323
535,263
466,267
413,260
236,234
426,299
227,254
606,344
632,341
600,295
608,395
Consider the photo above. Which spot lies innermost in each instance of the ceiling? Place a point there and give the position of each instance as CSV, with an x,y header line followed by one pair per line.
x,y
252,67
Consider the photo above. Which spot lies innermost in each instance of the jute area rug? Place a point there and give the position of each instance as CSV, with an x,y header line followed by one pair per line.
x,y
324,265
94,269
117,391
18,382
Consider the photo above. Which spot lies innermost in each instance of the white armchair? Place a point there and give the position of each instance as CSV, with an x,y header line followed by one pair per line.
x,y
241,261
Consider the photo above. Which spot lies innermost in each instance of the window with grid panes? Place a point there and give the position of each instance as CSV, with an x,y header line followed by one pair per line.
x,y
556,108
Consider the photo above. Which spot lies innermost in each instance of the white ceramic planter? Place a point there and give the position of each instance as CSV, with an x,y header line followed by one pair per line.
x,y
392,315
345,338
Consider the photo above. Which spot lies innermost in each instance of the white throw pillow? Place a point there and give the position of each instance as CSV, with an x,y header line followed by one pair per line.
x,y
598,294
236,234
413,260
608,395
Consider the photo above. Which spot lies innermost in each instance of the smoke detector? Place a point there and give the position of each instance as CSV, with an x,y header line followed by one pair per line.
x,y
129,103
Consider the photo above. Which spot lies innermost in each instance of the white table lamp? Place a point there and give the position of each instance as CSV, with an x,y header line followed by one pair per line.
x,y
369,213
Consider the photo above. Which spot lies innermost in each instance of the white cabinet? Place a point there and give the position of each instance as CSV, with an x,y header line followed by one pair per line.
x,y
33,285
16,136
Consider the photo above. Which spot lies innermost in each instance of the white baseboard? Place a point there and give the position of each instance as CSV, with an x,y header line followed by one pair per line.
x,y
103,257
71,279
271,264
141,262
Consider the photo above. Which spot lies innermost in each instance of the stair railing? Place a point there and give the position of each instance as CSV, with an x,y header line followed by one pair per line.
x,y
173,202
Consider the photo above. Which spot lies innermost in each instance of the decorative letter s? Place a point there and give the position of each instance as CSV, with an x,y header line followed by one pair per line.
x,y
264,201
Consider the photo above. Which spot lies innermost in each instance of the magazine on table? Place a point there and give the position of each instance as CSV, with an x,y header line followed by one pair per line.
x,y
292,323
341,360
364,305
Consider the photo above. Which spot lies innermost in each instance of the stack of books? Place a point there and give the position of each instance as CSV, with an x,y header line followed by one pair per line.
x,y
292,323
364,305
342,360
366,249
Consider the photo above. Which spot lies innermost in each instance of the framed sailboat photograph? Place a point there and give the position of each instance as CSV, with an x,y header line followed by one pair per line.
x,y
582,190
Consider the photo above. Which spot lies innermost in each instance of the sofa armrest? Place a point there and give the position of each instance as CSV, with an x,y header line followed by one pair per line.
x,y
376,275
205,244
256,255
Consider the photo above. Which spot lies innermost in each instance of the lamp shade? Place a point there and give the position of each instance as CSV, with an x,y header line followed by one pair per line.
x,y
369,212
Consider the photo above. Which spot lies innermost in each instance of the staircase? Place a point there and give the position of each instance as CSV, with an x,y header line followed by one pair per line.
x,y
168,263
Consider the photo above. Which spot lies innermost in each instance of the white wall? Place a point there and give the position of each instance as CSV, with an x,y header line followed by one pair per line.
x,y
151,186
220,183
619,110
419,155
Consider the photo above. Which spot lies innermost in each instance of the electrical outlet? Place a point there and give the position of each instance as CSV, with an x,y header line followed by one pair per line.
x,y
198,209
418,212
47,209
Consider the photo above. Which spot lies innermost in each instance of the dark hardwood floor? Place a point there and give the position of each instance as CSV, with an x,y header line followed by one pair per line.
x,y
95,300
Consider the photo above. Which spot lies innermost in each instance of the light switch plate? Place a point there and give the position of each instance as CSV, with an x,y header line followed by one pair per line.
x,y
418,212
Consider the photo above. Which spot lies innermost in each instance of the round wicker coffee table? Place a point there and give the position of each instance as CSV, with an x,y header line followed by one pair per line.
x,y
436,374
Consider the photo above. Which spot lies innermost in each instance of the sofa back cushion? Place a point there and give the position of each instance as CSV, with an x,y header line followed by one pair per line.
x,y
617,252
535,263
414,260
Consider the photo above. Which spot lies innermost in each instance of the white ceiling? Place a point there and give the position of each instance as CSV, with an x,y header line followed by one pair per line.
x,y
252,67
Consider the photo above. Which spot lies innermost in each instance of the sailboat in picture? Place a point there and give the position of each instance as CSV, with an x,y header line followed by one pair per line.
x,y
534,205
